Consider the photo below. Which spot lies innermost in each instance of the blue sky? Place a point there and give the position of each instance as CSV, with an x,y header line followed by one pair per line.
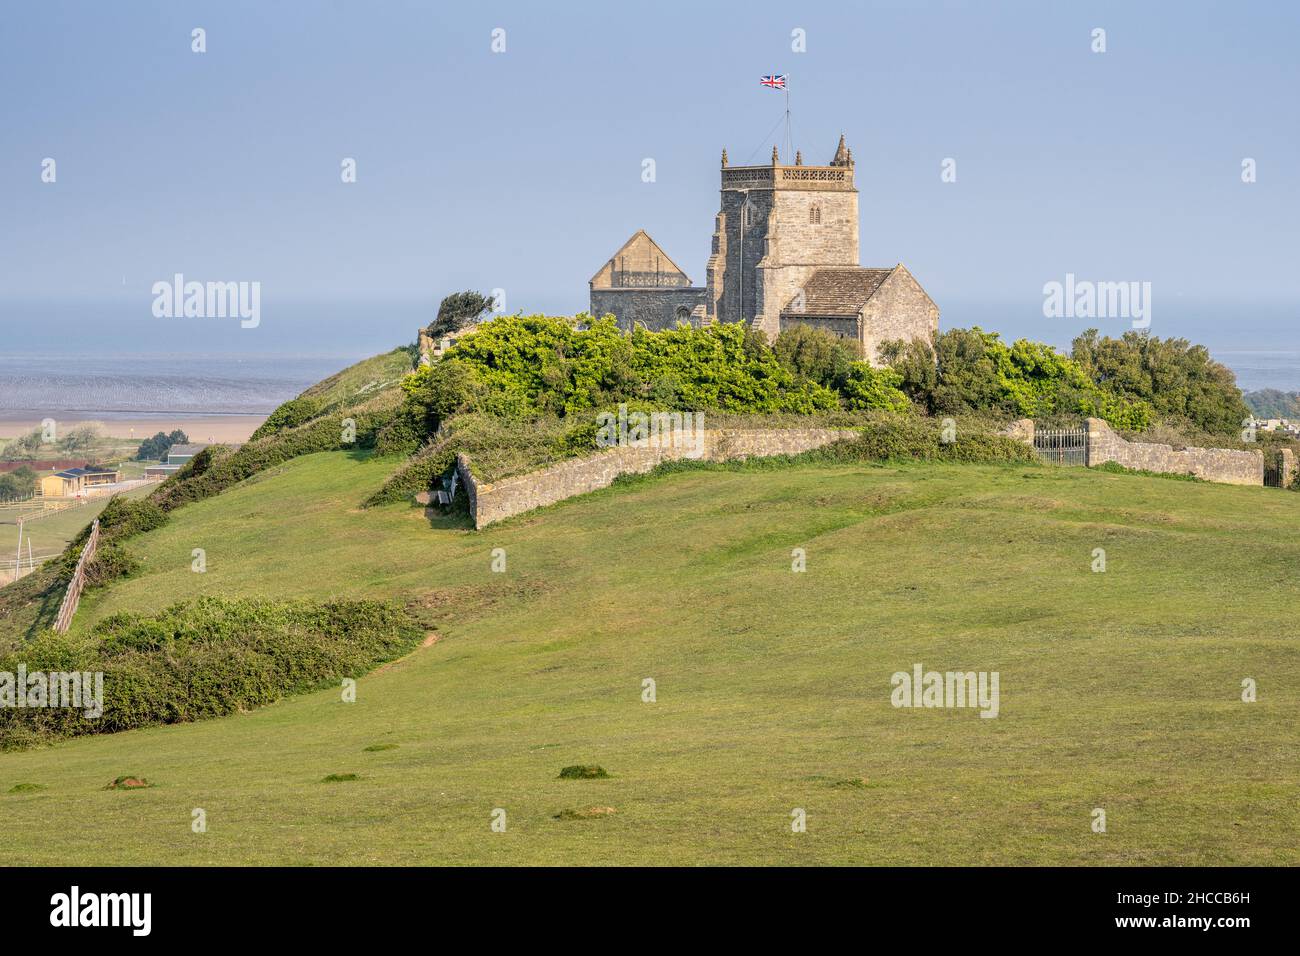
x,y
522,170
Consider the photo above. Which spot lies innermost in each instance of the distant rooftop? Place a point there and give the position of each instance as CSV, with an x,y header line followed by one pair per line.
x,y
191,449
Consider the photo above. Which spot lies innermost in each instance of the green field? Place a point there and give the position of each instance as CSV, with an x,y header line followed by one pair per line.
x,y
1119,690
51,533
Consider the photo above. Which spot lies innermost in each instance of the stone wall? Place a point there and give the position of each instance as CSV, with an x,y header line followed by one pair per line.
x,y
841,326
900,309
655,308
831,240
1213,464
496,501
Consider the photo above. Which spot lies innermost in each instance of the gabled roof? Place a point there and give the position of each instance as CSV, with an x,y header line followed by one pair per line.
x,y
838,291
643,251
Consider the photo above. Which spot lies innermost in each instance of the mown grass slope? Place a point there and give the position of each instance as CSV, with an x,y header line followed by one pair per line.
x,y
1119,690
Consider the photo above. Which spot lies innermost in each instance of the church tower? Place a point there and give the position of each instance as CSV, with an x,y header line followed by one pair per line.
x,y
785,253
777,225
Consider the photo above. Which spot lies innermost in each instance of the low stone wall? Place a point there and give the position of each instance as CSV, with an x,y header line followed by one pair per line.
x,y
1213,464
496,501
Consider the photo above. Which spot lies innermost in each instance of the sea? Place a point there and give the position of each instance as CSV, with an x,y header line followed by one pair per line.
x,y
72,358
112,386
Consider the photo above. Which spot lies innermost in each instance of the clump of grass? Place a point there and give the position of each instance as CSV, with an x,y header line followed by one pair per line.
x,y
851,783
26,787
376,747
590,813
583,772
340,777
129,782
1115,468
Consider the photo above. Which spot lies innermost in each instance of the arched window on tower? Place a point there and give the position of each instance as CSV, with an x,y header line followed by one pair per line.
x,y
815,214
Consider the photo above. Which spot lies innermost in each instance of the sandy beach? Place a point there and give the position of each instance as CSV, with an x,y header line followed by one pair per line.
x,y
199,428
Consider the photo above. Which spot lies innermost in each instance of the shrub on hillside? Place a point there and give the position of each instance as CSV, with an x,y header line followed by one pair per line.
x,y
498,448
205,659
521,365
972,371
922,440
295,412
121,518
403,435
458,309
1177,379
865,387
815,354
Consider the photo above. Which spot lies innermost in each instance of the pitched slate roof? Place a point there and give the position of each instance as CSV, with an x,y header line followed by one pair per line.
x,y
838,291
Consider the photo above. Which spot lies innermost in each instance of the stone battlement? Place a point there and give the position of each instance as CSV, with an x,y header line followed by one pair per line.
x,y
788,177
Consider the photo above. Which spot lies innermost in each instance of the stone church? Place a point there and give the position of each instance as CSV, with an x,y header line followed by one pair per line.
x,y
785,251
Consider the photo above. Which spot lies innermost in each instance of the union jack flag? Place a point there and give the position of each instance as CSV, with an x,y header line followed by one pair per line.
x,y
776,81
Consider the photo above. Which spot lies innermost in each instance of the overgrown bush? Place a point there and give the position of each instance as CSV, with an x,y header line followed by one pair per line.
x,y
1177,379
520,365
972,371
206,659
498,447
905,438
295,412
815,354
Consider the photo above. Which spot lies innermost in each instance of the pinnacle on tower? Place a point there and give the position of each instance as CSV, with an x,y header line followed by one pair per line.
x,y
798,157
775,158
841,154
724,156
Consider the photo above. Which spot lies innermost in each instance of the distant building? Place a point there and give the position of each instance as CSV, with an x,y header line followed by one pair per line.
x,y
74,482
785,252
177,456
180,454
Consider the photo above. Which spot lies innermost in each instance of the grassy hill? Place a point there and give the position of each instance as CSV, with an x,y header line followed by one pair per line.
x,y
1119,690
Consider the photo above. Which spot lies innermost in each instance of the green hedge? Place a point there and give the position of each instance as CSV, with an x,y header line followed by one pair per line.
x,y
322,434
295,412
206,659
912,439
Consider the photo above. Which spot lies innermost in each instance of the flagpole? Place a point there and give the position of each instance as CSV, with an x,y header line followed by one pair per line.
x,y
789,147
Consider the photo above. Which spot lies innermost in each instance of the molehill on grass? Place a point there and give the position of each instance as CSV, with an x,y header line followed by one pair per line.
x,y
589,813
583,772
129,782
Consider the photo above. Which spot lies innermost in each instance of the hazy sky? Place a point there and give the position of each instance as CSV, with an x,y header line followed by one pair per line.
x,y
522,169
